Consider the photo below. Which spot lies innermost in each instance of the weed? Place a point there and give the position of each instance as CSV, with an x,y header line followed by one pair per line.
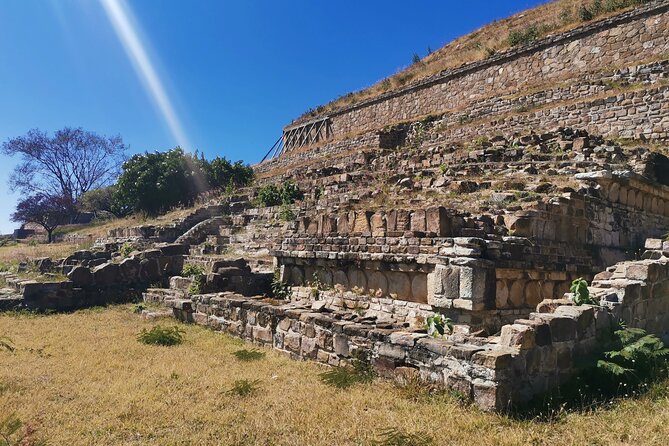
x,y
6,344
161,336
192,270
343,377
415,58
197,285
249,355
126,249
437,324
523,37
579,287
244,387
394,437
138,308
286,213
280,290
10,434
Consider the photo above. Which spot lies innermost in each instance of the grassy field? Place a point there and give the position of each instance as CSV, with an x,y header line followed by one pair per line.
x,y
83,378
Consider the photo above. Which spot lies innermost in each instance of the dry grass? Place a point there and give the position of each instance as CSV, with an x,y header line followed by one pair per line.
x,y
551,18
83,378
24,251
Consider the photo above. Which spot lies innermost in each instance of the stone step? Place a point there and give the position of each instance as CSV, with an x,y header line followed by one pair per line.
x,y
162,295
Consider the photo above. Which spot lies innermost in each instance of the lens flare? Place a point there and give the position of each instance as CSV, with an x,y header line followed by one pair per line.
x,y
126,29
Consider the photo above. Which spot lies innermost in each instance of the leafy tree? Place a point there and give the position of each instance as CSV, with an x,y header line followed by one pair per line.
x,y
44,210
96,200
155,182
68,164
222,173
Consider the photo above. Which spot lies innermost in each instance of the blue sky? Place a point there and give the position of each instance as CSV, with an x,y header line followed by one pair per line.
x,y
235,72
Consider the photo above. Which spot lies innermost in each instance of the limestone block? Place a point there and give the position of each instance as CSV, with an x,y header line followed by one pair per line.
x,y
477,283
340,278
361,224
403,220
340,343
418,222
309,349
399,285
490,396
391,221
438,222
419,288
292,341
378,224
357,279
263,335
518,335
378,283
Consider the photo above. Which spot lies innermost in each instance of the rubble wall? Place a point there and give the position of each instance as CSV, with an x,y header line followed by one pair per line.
x,y
620,41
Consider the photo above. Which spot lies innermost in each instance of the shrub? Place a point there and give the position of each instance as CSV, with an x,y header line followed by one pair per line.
x,y
244,387
280,290
249,355
192,270
197,285
273,195
437,324
286,213
579,287
161,336
637,358
584,14
415,58
523,37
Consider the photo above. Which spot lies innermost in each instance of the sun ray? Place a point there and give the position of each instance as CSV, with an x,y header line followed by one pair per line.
x,y
120,17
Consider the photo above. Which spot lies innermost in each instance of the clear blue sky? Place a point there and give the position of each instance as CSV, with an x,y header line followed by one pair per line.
x,y
235,72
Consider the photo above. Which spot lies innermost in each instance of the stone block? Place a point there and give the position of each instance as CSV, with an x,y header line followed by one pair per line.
x,y
106,274
438,222
418,223
518,335
81,277
340,343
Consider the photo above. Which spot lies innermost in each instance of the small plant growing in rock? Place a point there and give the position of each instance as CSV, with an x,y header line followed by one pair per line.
x,y
249,355
197,285
158,335
437,324
286,213
244,387
579,288
280,290
192,270
126,249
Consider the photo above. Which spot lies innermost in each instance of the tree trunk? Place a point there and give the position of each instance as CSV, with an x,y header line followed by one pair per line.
x,y
50,233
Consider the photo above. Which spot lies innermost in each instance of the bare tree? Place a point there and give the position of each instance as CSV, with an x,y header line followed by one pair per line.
x,y
67,164
44,210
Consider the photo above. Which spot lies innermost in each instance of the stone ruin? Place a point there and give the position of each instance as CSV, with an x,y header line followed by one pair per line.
x,y
480,194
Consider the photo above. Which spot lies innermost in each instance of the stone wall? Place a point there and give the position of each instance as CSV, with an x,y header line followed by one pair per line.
x,y
621,41
529,357
98,283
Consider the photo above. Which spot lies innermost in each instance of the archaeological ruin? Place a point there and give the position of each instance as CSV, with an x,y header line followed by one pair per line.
x,y
479,193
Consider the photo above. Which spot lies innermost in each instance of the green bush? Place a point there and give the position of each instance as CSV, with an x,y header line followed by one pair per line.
x,y
155,182
286,213
273,195
523,37
161,336
584,14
